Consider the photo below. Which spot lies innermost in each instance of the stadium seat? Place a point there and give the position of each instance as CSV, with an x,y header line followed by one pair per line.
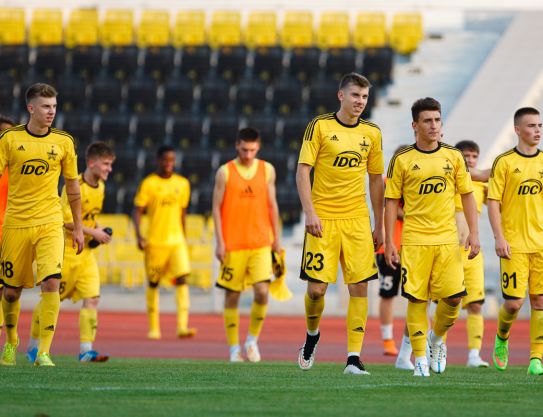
x,y
266,124
195,61
14,60
153,29
370,30
80,126
45,27
12,22
7,85
223,129
106,94
261,30
150,130
377,65
110,202
406,32
225,29
187,130
189,29
195,225
86,60
292,130
50,61
117,28
178,94
340,61
323,96
159,61
304,63
141,95
289,205
250,95
268,63
231,62
197,167
201,200
283,163
215,94
125,172
297,30
287,95
125,200
71,93
120,223
114,129
122,61
82,28
333,30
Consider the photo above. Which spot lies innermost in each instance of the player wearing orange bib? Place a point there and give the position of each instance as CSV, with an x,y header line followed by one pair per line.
x,y
246,229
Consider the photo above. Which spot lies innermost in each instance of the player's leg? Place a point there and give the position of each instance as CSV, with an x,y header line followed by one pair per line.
x,y
231,324
88,327
11,308
314,307
403,360
34,339
1,311
475,330
179,267
536,316
389,281
155,260
357,315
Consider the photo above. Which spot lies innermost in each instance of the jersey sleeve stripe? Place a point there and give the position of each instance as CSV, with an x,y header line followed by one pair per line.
x,y
62,132
308,135
497,159
12,129
393,160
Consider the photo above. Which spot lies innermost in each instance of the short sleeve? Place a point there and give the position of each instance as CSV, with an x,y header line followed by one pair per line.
x,y
69,162
496,182
376,161
311,144
463,178
142,195
3,154
185,195
66,209
394,187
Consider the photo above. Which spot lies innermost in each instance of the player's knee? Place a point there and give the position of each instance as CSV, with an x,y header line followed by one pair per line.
x,y
536,302
474,308
91,302
153,284
513,306
316,292
181,280
11,295
453,301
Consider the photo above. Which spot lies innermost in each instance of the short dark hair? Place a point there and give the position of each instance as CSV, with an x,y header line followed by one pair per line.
x,y
354,78
523,111
467,145
6,120
248,134
40,90
163,149
424,104
99,149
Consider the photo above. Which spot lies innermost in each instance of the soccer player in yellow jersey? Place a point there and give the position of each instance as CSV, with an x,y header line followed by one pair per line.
x,y
246,221
427,175
340,148
35,155
80,276
164,196
515,201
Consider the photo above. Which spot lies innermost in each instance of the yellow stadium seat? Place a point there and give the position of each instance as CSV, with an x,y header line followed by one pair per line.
x,y
195,227
13,26
261,30
120,223
201,260
333,30
225,29
370,30
45,27
117,29
406,32
189,28
154,28
82,28
297,30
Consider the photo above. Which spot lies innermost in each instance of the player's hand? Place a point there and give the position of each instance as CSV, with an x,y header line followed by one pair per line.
x,y
78,240
378,238
313,224
472,242
392,258
276,245
503,250
220,252
101,236
142,243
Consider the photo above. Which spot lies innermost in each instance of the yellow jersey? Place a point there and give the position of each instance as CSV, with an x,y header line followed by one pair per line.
x,y
92,200
428,181
35,163
164,200
479,193
341,155
516,181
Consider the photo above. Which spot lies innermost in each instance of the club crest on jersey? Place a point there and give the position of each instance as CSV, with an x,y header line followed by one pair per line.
x,y
530,186
35,167
52,155
349,159
364,146
433,185
540,174
448,168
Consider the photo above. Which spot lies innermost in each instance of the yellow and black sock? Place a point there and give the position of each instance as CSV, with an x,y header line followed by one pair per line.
x,y
35,324
231,325
182,300
475,328
50,307
505,321
417,324
313,312
153,310
11,318
357,314
88,322
446,316
258,314
536,334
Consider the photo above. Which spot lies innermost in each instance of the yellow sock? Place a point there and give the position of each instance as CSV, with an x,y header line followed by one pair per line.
x,y
446,316
505,321
35,324
153,309
536,334
50,306
182,300
417,325
357,315
88,322
258,314
11,318
475,327
444,337
313,312
1,318
231,325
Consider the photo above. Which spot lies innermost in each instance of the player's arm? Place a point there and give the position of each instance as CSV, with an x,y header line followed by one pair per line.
x,y
96,233
377,192
218,196
481,175
503,250
472,217
391,214
136,218
273,211
73,194
313,224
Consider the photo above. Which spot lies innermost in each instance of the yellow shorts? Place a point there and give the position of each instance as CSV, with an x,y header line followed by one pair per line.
x,y
21,246
432,271
80,275
345,241
523,271
474,277
243,268
166,261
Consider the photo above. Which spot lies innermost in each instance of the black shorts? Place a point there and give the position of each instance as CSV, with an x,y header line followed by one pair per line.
x,y
389,279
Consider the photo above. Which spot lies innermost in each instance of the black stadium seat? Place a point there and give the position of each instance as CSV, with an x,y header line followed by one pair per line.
x,y
106,94
223,129
266,124
304,63
197,166
71,93
178,94
142,95
231,62
215,94
50,61
323,96
287,95
268,63
187,130
114,128
340,61
150,130
86,60
80,126
250,95
195,61
14,60
122,61
159,62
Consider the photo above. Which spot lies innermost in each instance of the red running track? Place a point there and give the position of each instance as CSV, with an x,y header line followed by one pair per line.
x,y
124,335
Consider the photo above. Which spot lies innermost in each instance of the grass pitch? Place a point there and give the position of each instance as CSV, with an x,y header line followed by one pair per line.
x,y
158,387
